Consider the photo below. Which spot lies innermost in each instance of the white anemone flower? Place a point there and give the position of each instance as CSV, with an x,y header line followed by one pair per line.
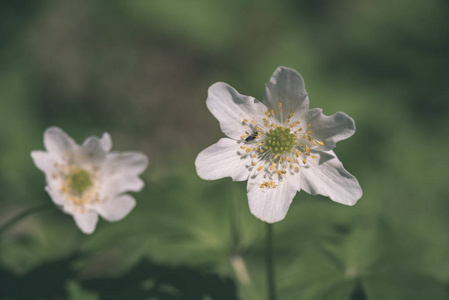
x,y
280,146
89,180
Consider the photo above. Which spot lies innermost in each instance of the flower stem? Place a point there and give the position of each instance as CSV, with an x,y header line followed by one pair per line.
x,y
235,222
237,260
23,215
269,262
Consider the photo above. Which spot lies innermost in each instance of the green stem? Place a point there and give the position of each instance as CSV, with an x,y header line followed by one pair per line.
x,y
269,262
23,215
237,261
235,219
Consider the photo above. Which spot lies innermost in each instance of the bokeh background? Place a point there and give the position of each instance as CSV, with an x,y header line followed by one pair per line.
x,y
140,71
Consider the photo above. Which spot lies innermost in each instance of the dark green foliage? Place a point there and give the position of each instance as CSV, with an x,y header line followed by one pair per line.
x,y
146,280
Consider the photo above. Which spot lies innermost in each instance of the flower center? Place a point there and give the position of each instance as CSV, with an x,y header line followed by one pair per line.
x,y
278,150
79,181
279,140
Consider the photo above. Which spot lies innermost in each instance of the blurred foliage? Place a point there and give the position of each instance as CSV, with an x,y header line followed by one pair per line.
x,y
140,71
146,280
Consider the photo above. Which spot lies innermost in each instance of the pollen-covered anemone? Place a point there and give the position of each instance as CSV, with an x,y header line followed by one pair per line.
x,y
280,146
88,180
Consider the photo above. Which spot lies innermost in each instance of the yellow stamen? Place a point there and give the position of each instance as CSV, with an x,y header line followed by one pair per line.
x,y
268,184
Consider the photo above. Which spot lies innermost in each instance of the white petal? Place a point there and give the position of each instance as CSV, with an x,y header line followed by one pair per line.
x,y
55,194
119,183
223,159
327,176
46,163
131,163
271,204
116,209
330,129
106,142
92,150
57,142
86,221
43,161
286,86
121,173
230,108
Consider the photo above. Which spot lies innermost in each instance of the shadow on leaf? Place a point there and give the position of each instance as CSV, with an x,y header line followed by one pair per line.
x,y
147,280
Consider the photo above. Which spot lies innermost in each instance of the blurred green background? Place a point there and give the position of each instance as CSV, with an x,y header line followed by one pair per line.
x,y
140,71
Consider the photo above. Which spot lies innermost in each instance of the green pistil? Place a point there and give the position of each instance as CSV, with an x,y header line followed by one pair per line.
x,y
280,140
80,181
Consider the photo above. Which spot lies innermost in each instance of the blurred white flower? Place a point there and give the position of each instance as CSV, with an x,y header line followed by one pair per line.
x,y
280,146
88,180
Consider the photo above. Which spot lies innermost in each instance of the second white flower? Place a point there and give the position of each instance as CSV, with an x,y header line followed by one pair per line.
x,y
89,180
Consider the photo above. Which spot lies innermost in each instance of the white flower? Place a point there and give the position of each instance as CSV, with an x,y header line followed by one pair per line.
x,y
280,146
88,180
